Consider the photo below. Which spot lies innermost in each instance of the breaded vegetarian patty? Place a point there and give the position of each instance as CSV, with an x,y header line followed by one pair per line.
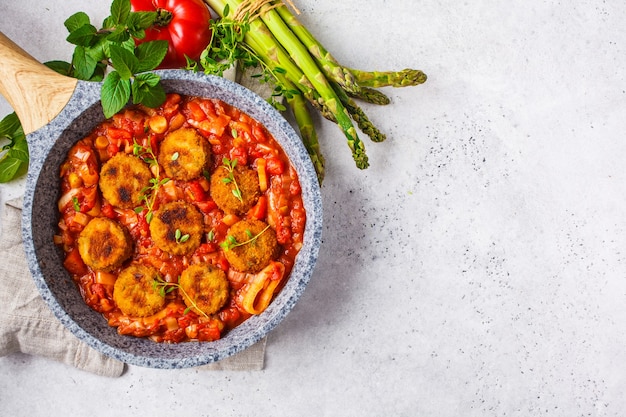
x,y
104,244
134,291
255,246
205,286
184,154
177,228
222,187
123,179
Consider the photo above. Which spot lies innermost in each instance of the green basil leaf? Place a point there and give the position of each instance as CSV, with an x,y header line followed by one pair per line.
x,y
124,61
76,21
11,127
115,93
84,64
147,90
150,54
20,150
120,10
9,168
83,36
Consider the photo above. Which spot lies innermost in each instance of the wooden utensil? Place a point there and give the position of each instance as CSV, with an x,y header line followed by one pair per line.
x,y
36,92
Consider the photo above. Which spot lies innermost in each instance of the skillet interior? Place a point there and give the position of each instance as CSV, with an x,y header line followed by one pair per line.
x,y
40,218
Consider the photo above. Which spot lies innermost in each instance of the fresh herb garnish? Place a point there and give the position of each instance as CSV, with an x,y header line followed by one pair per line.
x,y
164,288
230,178
75,203
14,154
149,193
180,238
113,46
231,242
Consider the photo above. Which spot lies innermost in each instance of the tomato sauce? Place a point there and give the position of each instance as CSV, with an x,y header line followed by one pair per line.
x,y
232,134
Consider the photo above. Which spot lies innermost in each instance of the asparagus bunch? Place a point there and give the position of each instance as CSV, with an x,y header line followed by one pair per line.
x,y
266,33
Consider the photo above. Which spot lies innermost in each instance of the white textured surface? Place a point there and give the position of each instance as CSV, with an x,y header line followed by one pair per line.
x,y
476,269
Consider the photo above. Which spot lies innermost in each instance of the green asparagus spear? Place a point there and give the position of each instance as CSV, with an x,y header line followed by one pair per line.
x,y
303,59
359,116
369,95
375,79
307,131
326,61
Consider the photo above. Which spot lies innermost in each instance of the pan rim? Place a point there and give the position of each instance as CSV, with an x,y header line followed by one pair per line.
x,y
44,264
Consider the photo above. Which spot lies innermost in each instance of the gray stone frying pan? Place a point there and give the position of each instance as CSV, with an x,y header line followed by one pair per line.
x,y
56,111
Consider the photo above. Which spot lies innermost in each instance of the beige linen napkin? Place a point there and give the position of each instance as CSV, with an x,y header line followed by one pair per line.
x,y
27,325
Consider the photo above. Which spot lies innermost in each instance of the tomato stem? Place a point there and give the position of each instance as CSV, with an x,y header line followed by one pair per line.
x,y
164,17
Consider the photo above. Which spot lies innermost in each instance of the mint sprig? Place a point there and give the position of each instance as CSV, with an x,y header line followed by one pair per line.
x,y
111,54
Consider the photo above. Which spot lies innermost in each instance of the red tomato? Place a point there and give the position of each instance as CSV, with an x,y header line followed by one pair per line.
x,y
184,24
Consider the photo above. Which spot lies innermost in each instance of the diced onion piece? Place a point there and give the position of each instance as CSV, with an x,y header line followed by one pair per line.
x,y
82,155
171,323
67,198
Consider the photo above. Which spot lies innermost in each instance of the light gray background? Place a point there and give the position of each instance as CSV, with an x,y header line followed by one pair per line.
x,y
477,268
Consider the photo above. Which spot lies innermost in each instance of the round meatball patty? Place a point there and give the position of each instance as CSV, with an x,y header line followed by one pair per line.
x,y
184,154
123,180
250,245
177,228
104,244
205,288
135,292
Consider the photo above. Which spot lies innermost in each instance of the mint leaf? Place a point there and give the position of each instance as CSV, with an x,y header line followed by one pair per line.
x,y
115,93
124,61
120,34
147,90
84,63
150,54
138,22
62,67
76,21
83,36
120,10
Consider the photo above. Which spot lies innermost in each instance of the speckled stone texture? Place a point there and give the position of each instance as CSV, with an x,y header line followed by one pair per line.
x,y
49,146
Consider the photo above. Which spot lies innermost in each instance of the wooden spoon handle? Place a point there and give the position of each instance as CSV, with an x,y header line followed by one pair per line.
x,y
36,92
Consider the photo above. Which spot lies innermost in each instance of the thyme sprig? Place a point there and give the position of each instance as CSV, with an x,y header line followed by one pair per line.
x,y
164,287
231,241
230,165
149,193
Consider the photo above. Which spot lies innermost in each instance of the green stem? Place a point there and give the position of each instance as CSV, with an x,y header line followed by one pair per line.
x,y
331,67
303,59
307,132
375,79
